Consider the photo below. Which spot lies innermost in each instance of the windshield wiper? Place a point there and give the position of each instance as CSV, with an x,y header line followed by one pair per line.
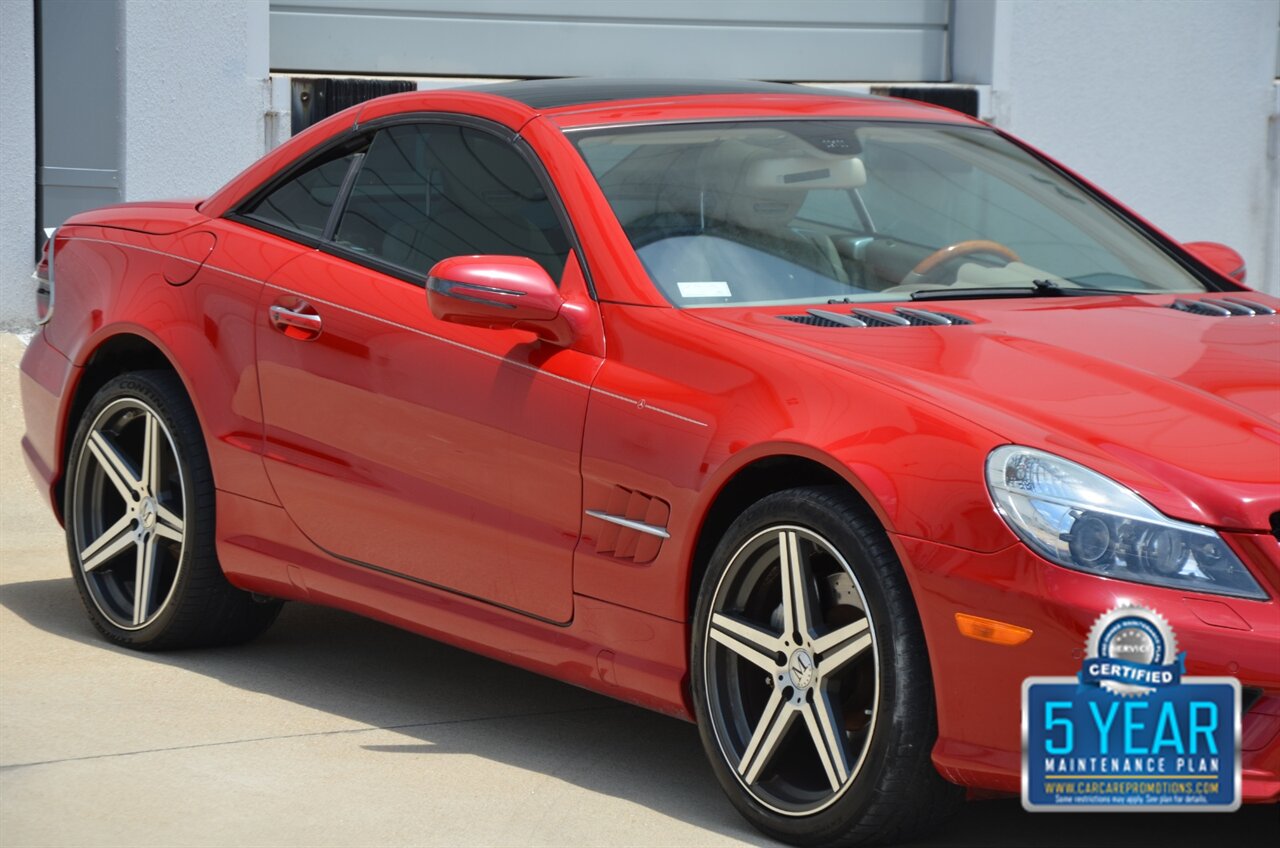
x,y
1038,288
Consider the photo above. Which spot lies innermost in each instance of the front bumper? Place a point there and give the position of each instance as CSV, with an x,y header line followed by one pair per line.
x,y
978,684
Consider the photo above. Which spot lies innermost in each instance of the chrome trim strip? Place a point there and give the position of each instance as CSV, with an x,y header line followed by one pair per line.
x,y
1201,307
873,316
743,119
928,317
438,587
1158,518
155,252
837,317
637,403
631,524
453,289
1231,306
1258,308
439,281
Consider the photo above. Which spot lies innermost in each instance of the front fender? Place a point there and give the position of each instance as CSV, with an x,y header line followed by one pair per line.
x,y
678,421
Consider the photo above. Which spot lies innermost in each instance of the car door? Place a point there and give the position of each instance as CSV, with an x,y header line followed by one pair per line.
x,y
443,453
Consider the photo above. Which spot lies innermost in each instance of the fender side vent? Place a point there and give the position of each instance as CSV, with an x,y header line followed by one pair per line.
x,y
632,525
1222,307
902,316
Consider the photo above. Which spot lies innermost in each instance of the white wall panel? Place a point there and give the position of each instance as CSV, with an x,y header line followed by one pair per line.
x,y
196,93
18,155
1163,103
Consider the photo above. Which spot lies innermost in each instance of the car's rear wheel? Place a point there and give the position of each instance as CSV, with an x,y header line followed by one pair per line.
x,y
139,509
810,678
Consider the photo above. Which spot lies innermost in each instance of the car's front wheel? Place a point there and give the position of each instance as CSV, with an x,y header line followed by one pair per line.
x,y
139,510
810,678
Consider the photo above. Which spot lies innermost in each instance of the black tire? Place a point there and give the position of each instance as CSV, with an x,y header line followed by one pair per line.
x,y
164,518
862,655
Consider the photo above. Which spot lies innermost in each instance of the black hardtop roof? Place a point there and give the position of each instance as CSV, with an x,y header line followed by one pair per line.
x,y
580,91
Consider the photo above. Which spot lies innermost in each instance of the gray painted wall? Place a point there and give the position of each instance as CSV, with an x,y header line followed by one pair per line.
x,y
82,137
17,163
872,40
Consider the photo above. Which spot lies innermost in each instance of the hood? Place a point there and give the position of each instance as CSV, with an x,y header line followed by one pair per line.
x,y
1182,407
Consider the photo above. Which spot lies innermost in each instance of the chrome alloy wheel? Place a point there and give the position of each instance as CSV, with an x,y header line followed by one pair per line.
x,y
791,673
127,512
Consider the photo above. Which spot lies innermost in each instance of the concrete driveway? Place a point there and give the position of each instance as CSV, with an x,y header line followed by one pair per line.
x,y
333,730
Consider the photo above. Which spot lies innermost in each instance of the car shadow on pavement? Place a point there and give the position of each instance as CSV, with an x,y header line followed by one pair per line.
x,y
433,695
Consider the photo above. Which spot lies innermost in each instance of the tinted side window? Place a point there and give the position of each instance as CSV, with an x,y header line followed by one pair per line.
x,y
303,203
428,192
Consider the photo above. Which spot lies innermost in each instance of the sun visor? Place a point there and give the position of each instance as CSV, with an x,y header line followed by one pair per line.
x,y
802,172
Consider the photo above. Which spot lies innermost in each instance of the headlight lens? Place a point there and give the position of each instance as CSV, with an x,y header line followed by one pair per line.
x,y
1082,520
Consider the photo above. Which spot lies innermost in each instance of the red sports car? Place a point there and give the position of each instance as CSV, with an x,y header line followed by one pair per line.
x,y
820,420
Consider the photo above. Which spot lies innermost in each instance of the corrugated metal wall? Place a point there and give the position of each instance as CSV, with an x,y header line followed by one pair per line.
x,y
812,40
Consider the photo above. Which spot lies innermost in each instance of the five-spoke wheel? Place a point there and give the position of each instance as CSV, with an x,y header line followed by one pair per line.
x,y
810,678
790,606
127,519
139,509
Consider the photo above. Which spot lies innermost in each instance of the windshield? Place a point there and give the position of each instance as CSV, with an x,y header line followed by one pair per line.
x,y
809,211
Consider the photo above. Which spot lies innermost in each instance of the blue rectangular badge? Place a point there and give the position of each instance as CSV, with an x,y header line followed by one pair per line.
x,y
1174,748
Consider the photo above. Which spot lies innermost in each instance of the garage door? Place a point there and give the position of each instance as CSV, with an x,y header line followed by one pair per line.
x,y
810,40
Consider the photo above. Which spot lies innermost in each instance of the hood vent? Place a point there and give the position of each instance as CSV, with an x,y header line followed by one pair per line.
x,y
901,316
818,318
1222,307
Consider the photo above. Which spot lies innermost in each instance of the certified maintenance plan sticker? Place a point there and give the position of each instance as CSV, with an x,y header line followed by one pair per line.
x,y
1131,732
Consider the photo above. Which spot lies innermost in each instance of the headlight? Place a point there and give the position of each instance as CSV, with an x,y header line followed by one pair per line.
x,y
1078,518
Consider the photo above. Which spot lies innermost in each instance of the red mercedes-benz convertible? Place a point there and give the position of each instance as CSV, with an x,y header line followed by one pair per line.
x,y
820,420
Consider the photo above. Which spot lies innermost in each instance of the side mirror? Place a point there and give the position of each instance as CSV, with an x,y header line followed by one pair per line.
x,y
1225,260
499,292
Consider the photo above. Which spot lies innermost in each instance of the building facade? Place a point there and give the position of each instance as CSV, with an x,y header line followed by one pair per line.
x,y
1172,106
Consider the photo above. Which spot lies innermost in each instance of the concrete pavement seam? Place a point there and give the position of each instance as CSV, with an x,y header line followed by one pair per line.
x,y
11,766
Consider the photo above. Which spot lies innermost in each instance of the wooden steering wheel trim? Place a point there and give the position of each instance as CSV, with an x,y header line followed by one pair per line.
x,y
962,248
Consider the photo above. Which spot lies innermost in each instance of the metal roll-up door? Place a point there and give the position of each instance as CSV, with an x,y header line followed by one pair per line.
x,y
809,40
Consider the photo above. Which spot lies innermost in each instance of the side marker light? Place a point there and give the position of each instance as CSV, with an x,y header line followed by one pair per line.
x,y
989,630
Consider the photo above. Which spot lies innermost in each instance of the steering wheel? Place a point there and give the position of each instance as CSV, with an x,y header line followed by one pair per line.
x,y
926,267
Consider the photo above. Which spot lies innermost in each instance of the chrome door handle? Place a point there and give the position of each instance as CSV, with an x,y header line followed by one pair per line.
x,y
294,323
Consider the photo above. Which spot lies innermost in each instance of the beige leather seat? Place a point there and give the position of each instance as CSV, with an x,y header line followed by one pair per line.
x,y
727,216
754,195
